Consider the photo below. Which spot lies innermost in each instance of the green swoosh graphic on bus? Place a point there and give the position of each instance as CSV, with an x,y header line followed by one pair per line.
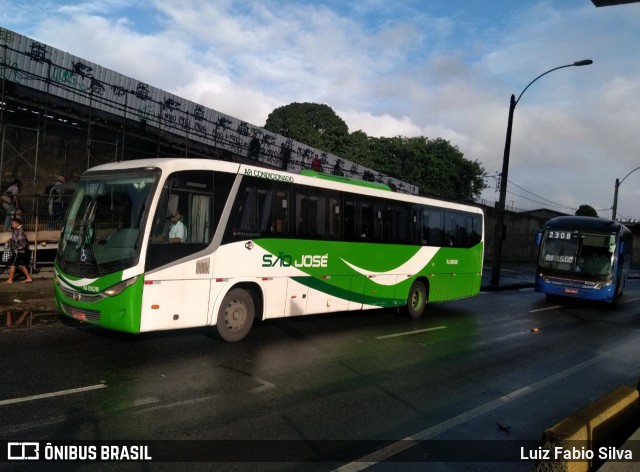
x,y
411,266
81,284
74,281
350,295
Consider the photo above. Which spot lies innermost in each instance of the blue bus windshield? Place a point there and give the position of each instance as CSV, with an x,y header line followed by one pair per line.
x,y
586,254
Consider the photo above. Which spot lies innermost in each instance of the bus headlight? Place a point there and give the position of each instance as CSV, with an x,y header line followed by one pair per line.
x,y
118,288
603,284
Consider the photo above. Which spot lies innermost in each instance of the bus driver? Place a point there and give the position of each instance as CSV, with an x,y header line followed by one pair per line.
x,y
178,231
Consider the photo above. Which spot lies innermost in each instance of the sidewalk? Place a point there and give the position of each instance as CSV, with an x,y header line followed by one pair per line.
x,y
513,276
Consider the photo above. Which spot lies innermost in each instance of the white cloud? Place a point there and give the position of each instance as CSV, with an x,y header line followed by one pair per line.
x,y
381,125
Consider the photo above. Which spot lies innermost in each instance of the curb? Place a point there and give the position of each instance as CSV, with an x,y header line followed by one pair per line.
x,y
608,420
502,288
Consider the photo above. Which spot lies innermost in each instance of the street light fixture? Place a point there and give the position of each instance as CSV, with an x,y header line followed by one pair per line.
x,y
499,229
614,208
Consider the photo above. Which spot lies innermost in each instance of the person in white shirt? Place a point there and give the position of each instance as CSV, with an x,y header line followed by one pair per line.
x,y
10,202
178,231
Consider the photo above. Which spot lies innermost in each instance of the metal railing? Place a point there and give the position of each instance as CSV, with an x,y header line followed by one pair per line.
x,y
42,221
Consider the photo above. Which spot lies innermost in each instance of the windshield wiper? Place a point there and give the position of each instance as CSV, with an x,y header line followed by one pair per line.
x,y
87,219
84,233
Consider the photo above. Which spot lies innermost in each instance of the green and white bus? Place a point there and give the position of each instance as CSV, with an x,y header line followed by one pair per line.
x,y
259,244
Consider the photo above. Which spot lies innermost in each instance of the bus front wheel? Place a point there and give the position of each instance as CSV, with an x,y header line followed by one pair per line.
x,y
417,300
235,316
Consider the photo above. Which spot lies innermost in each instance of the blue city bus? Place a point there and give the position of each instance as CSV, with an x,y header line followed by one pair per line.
x,y
583,257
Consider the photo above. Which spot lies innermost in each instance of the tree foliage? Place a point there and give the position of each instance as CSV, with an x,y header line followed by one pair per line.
x,y
436,166
586,210
310,123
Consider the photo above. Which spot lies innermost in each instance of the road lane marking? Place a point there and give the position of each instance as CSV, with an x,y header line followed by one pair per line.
x,y
545,309
406,333
52,394
145,401
264,385
410,441
628,301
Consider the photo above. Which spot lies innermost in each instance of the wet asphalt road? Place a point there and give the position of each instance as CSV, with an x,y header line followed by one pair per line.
x,y
352,377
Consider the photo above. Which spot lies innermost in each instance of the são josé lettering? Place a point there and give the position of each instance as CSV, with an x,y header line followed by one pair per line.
x,y
286,260
576,453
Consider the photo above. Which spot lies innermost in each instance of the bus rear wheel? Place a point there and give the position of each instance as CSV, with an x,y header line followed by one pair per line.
x,y
417,300
236,315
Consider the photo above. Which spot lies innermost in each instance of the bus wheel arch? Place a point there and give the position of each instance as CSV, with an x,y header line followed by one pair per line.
x,y
619,289
239,308
417,298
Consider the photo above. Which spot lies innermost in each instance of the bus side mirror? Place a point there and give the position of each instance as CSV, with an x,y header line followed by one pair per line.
x,y
538,238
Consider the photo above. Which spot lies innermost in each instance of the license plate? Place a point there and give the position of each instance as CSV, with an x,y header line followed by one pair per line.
x,y
572,291
78,315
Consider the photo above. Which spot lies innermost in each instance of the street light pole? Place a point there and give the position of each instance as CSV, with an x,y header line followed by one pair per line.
x,y
614,208
499,232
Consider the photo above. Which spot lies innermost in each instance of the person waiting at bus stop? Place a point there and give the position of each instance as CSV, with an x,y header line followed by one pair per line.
x,y
19,246
178,231
55,202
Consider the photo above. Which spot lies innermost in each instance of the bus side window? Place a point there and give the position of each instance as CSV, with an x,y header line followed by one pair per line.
x,y
243,214
364,220
350,228
389,222
474,229
414,228
191,193
334,216
261,209
301,227
312,216
455,228
403,229
462,229
322,215
432,226
280,222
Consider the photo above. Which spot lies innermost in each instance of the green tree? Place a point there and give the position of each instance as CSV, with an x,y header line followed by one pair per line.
x,y
357,148
586,210
437,167
312,124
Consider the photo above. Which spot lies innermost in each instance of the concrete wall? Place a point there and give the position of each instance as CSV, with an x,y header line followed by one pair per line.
x,y
519,244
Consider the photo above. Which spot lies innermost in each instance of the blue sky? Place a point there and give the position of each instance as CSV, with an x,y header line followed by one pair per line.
x,y
434,68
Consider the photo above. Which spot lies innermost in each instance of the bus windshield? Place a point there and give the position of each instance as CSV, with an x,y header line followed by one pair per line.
x,y
102,232
571,252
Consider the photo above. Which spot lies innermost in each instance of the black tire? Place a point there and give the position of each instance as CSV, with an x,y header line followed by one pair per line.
x,y
236,315
417,300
